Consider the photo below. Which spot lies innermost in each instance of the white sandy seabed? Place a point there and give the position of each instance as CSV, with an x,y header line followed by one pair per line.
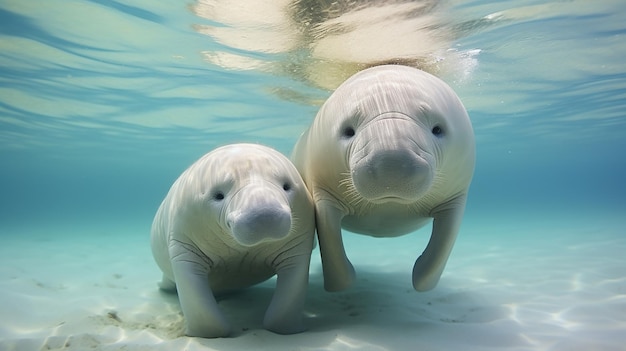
x,y
508,286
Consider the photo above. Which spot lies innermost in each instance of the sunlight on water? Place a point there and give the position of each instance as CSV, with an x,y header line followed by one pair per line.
x,y
243,68
323,44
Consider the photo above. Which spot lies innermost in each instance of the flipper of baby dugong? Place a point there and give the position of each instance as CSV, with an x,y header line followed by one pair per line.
x,y
235,218
391,149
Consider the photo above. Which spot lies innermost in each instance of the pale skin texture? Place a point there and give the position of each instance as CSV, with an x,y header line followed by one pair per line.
x,y
235,218
391,149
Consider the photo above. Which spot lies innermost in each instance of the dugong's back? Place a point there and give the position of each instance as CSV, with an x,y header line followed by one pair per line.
x,y
159,239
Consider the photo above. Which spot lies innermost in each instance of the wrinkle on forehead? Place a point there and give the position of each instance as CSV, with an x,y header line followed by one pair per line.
x,y
246,167
389,96
398,101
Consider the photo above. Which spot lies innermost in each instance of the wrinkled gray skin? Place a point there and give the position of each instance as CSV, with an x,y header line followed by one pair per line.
x,y
391,149
233,219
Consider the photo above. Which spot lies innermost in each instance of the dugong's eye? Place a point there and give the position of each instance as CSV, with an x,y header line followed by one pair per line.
x,y
348,132
218,196
437,131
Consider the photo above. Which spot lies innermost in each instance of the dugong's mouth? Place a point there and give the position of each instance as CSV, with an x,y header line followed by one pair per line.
x,y
391,199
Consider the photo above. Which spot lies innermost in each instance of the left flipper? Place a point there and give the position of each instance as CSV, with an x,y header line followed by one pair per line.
x,y
284,314
429,266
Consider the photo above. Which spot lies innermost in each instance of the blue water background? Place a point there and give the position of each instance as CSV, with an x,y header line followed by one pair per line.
x,y
104,103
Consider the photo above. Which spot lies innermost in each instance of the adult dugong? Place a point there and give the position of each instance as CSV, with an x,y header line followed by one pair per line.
x,y
390,149
234,218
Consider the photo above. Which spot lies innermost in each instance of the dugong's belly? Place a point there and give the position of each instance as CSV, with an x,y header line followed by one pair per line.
x,y
232,267
229,268
237,276
384,223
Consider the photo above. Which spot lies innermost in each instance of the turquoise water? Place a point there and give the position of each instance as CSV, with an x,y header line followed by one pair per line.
x,y
104,103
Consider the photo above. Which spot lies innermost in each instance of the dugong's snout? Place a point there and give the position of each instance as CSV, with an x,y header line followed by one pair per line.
x,y
392,175
390,164
258,214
